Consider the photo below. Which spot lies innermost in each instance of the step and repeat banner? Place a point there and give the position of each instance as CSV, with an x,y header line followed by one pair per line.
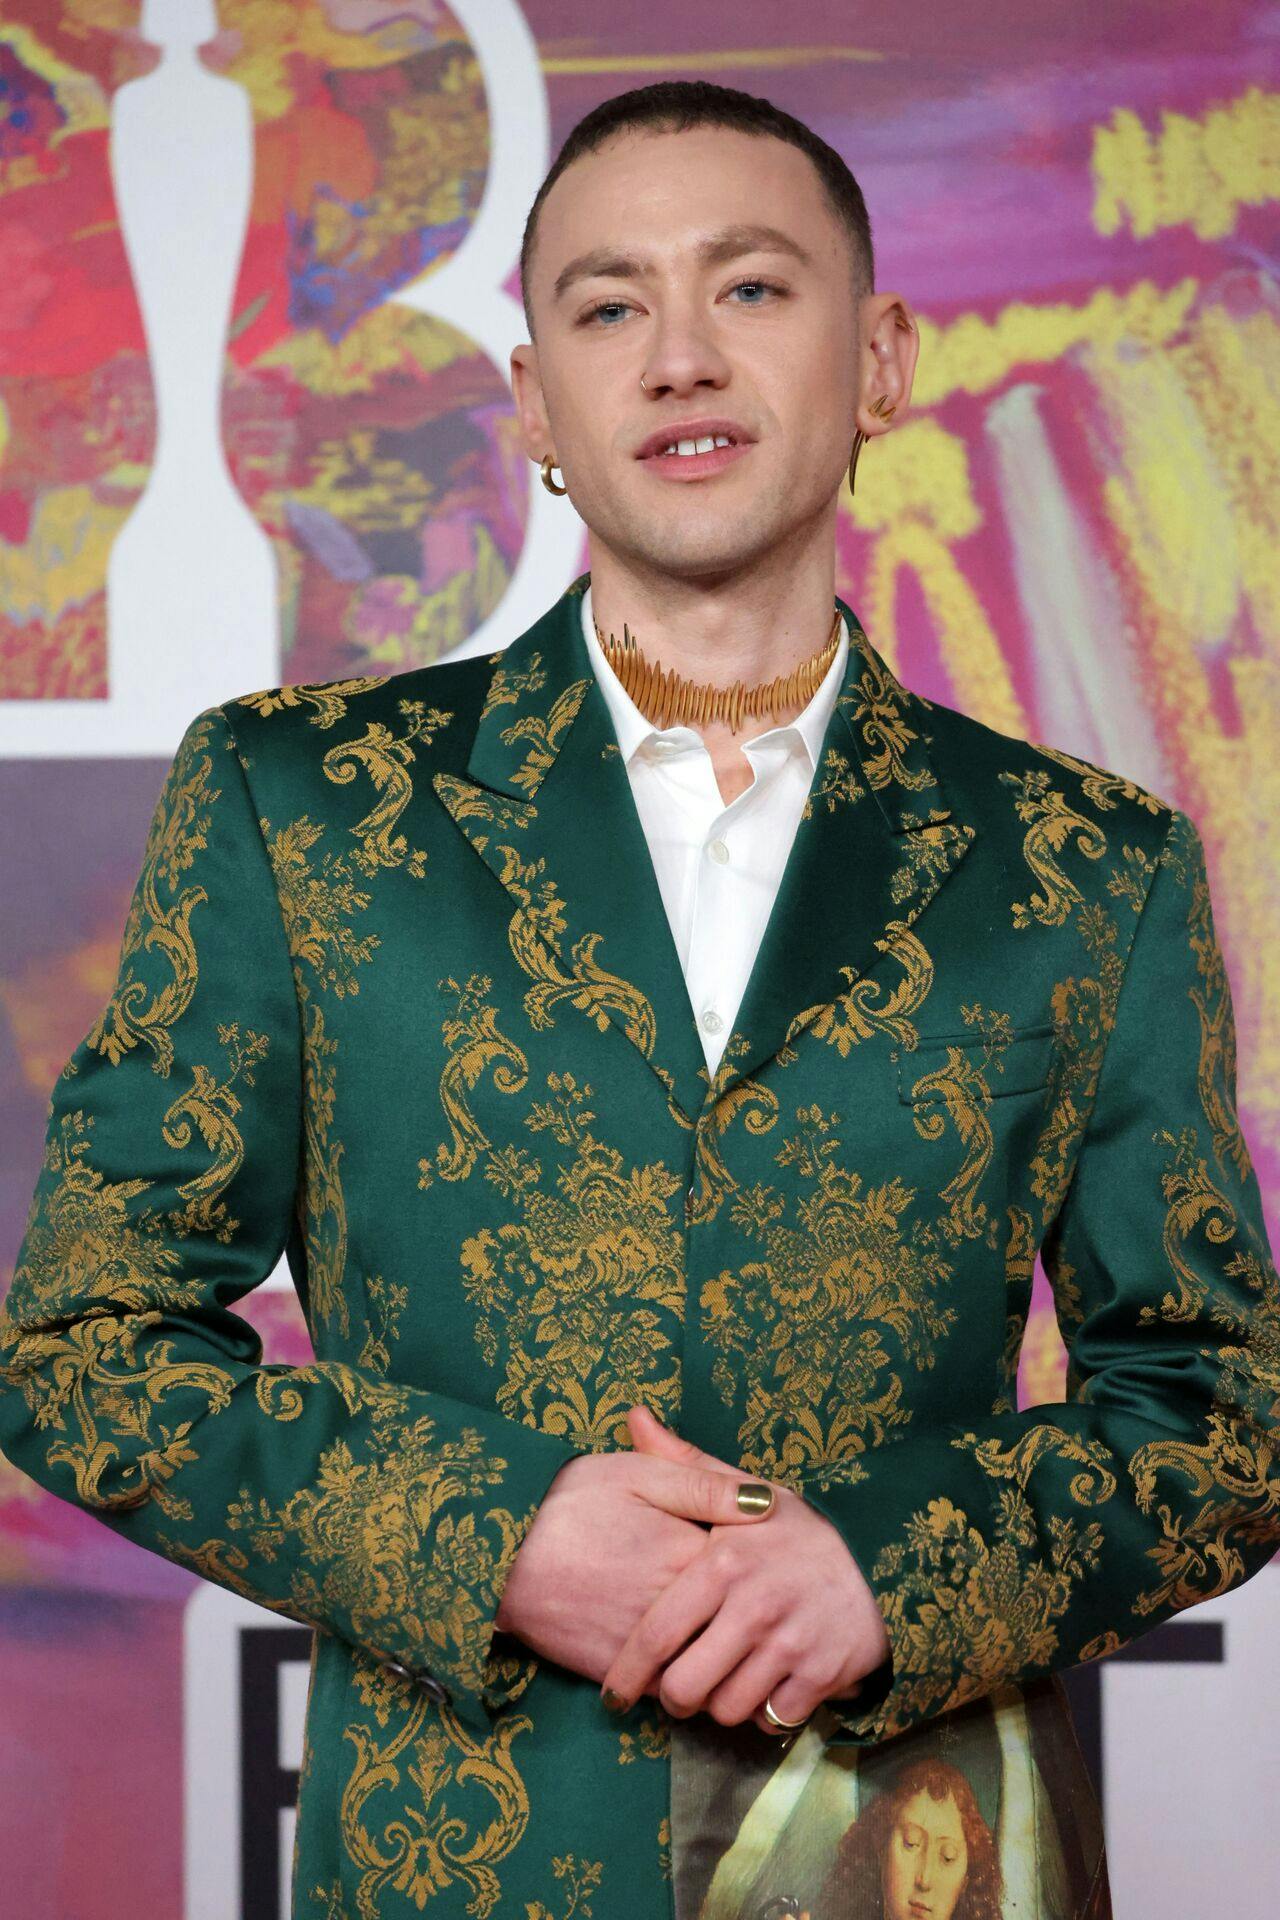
x,y
258,292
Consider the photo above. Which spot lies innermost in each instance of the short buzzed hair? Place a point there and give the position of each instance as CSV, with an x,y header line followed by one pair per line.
x,y
672,106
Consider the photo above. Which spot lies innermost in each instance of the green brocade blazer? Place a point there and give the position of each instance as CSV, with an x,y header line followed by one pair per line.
x,y
398,997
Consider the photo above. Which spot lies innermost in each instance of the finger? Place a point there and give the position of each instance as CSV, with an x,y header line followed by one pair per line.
x,y
701,1670
682,1608
789,1706
714,1498
771,1676
743,1688
649,1434
766,1725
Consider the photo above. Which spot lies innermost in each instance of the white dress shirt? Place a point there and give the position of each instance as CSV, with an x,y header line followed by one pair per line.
x,y
718,867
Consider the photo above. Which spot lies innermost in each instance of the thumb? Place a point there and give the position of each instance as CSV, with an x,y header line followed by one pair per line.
x,y
710,1492
651,1435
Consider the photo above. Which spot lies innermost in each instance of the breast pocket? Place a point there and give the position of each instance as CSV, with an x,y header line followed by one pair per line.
x,y
942,1064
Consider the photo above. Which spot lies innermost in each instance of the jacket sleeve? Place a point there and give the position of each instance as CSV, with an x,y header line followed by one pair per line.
x,y
379,1512
1038,1539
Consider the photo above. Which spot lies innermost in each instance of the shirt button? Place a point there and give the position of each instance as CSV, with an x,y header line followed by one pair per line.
x,y
711,1021
718,851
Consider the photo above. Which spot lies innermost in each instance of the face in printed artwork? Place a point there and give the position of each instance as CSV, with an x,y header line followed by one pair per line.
x,y
926,1859
987,1808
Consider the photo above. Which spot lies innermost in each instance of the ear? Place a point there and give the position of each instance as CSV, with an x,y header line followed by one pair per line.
x,y
531,407
892,347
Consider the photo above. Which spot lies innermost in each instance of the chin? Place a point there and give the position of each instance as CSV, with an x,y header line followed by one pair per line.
x,y
694,553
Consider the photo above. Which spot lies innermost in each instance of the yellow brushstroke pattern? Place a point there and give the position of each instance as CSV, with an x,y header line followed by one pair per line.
x,y
1195,172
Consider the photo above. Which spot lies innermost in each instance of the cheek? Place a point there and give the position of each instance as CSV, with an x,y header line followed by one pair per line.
x,y
953,1871
819,409
582,419
895,1861
807,378
826,364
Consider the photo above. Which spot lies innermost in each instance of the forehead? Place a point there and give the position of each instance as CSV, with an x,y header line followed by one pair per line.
x,y
659,191
940,1816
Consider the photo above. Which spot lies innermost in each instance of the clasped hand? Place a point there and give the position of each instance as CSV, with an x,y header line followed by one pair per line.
x,y
714,1618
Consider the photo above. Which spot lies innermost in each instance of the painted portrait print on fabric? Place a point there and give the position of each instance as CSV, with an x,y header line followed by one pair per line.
x,y
978,1814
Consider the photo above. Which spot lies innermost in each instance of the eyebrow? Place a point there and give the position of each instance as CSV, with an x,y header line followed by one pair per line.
x,y
728,244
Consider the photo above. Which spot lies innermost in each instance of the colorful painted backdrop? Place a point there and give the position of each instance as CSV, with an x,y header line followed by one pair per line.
x,y
1073,536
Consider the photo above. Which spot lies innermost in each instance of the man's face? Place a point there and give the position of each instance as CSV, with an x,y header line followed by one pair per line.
x,y
926,1860
763,340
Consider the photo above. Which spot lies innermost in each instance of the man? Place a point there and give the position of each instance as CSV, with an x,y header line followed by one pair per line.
x,y
661,1088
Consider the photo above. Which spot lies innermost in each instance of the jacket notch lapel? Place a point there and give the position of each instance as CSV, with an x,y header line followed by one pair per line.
x,y
547,805
880,835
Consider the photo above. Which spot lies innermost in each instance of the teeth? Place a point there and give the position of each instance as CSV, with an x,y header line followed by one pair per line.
x,y
704,445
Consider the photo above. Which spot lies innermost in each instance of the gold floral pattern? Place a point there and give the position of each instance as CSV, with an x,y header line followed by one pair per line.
x,y
811,1338
965,1608
386,757
318,906
138,1013
866,1009
835,784
1051,826
878,707
580,1295
385,1006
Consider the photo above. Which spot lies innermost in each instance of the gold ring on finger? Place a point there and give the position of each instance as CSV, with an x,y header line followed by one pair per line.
x,y
783,1726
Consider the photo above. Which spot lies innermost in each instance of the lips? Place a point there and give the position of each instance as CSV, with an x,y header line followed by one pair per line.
x,y
667,436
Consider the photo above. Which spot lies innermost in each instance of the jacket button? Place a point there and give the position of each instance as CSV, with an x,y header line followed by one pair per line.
x,y
420,1676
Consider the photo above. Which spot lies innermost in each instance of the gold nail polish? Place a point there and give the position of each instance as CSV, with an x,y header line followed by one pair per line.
x,y
754,1498
614,1701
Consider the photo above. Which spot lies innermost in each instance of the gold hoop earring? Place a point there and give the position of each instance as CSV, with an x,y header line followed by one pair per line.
x,y
549,461
884,413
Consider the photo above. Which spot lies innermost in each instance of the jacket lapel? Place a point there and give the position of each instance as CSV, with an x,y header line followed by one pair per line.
x,y
546,803
879,836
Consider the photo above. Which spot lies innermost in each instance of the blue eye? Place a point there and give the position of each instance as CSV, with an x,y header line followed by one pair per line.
x,y
753,280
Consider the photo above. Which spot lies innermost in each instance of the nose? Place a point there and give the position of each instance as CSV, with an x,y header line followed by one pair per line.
x,y
682,354
924,1875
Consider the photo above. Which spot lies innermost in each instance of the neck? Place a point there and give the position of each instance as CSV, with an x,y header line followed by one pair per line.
x,y
752,626
672,699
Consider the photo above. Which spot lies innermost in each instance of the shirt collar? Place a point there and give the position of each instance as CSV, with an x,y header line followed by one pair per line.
x,y
633,729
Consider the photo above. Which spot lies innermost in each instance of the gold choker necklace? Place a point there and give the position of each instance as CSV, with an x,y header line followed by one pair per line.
x,y
665,697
